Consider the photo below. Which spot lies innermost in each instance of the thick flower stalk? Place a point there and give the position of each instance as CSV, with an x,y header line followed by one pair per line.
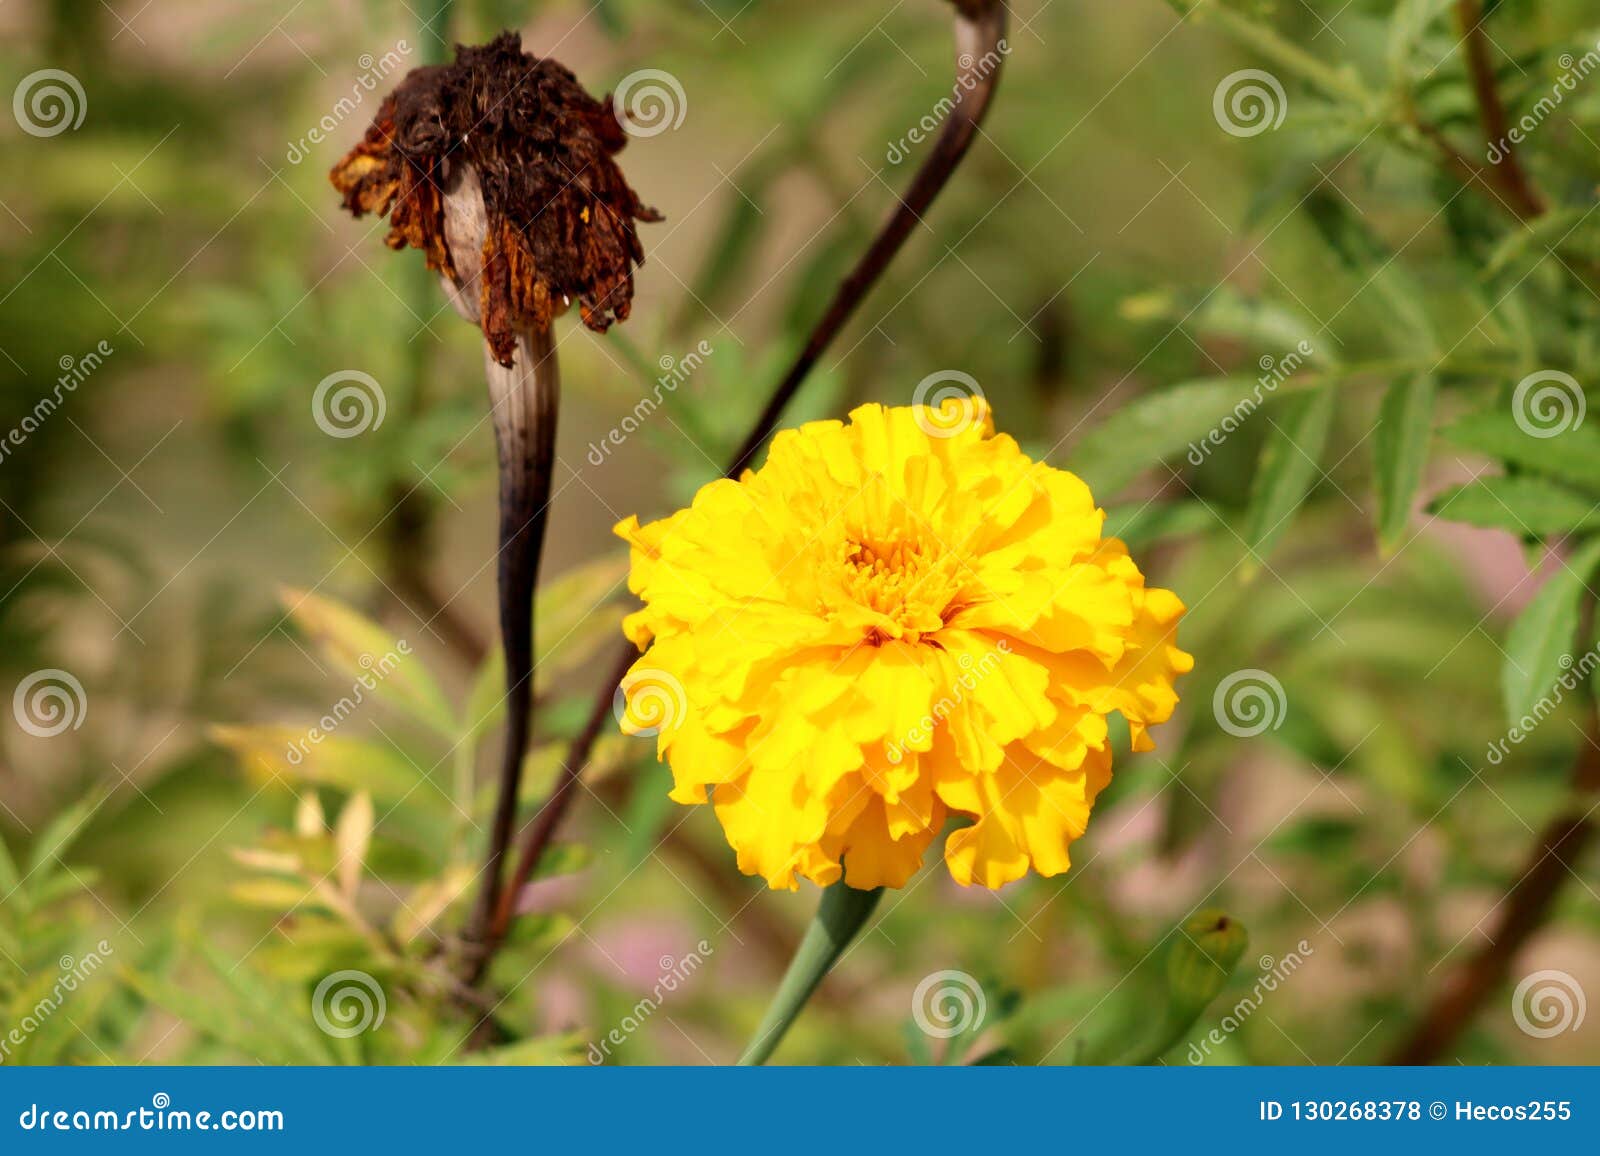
x,y
895,622
499,168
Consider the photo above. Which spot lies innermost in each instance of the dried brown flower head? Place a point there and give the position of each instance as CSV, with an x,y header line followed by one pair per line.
x,y
560,216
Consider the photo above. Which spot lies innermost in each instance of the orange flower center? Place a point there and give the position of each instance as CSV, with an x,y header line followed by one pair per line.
x,y
900,587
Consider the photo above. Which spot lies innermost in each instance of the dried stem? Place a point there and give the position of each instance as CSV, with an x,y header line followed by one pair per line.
x,y
1514,180
524,398
980,47
1526,907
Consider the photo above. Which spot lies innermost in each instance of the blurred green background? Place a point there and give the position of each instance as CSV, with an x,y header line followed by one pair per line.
x,y
1105,243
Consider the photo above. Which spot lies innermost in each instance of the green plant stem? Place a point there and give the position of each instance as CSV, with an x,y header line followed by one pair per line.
x,y
1291,57
841,914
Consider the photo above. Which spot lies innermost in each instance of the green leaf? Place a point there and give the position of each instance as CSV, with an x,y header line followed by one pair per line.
x,y
1543,633
1378,268
1160,426
1573,455
375,661
9,879
1535,238
1400,449
1138,524
57,838
1526,506
1289,465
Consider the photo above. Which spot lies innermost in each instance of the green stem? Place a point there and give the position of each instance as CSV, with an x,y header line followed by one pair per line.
x,y
842,913
1331,82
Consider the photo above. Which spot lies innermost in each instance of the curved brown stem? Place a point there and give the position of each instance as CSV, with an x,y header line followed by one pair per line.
x,y
980,28
1554,859
1525,908
980,41
1514,179
525,399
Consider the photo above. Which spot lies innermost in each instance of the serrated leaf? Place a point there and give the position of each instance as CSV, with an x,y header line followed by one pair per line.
x,y
1526,506
1573,455
1400,452
1157,427
1289,465
1543,633
374,661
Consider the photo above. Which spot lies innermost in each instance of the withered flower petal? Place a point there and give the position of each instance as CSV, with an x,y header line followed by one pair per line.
x,y
560,214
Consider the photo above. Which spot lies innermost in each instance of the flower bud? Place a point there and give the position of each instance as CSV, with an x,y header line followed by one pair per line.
x,y
1203,957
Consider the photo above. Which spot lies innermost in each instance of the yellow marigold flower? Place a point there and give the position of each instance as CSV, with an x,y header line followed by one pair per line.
x,y
892,622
